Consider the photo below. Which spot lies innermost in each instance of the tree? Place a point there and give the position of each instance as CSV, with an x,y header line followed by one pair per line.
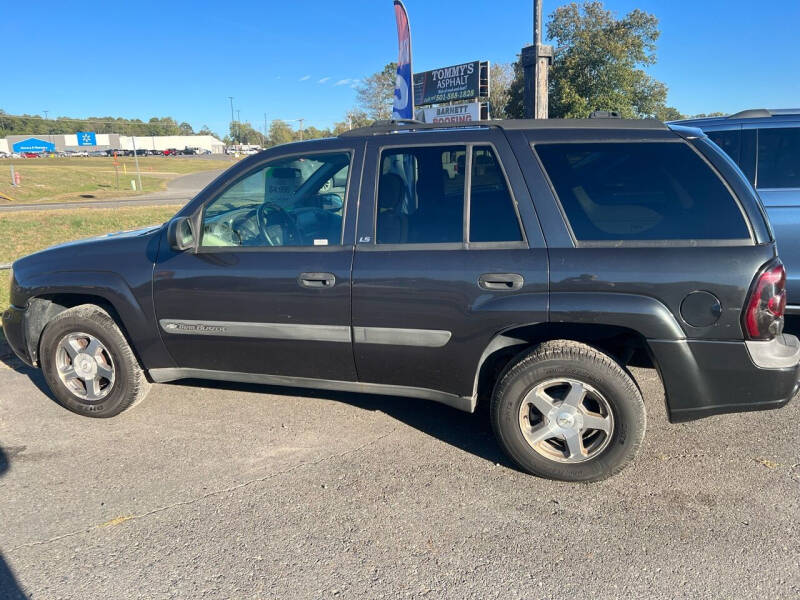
x,y
35,125
713,114
502,76
668,113
280,132
599,60
376,93
353,119
244,133
312,133
206,131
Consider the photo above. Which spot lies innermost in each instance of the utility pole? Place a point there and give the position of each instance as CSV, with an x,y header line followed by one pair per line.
x,y
231,99
536,61
239,125
265,128
49,131
301,128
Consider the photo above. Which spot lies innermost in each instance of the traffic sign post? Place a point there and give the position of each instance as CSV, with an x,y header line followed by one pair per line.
x,y
136,160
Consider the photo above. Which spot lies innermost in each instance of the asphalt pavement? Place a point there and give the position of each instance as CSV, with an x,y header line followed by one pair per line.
x,y
243,491
179,191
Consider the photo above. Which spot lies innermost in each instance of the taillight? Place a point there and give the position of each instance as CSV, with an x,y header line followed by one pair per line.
x,y
763,317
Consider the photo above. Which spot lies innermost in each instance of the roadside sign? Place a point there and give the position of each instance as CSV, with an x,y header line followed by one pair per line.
x,y
457,82
403,106
33,145
86,138
454,113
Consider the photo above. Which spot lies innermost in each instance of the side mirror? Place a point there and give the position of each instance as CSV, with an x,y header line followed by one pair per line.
x,y
180,234
331,202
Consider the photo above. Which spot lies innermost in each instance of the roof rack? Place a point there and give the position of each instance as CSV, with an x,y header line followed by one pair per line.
x,y
393,125
760,113
752,113
381,127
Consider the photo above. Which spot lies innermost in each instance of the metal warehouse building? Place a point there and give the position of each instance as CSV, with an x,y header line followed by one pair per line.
x,y
108,141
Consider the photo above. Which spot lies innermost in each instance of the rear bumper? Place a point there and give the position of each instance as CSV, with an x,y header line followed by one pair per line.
x,y
704,378
14,330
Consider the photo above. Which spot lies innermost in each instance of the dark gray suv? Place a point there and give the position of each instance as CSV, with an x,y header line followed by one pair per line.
x,y
527,264
766,146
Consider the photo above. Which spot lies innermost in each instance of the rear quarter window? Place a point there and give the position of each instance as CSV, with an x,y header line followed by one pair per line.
x,y
641,191
779,158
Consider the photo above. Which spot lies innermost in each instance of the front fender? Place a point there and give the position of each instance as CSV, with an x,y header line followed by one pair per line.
x,y
132,305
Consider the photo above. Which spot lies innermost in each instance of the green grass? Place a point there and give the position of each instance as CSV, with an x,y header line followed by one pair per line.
x,y
80,179
26,232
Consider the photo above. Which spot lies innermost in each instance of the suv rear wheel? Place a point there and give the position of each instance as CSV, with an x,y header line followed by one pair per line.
x,y
88,363
567,411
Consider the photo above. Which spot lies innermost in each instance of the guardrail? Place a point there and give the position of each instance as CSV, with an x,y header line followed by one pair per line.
x,y
5,267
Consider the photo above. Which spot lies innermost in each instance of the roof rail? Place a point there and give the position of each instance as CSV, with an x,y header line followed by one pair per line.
x,y
784,111
752,113
761,113
382,127
605,114
392,125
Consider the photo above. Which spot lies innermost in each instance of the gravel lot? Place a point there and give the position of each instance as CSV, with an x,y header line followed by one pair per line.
x,y
234,491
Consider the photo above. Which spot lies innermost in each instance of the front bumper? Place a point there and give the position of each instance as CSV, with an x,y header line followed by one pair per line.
x,y
704,378
14,323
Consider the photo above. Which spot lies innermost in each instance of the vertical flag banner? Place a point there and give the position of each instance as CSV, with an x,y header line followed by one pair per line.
x,y
403,96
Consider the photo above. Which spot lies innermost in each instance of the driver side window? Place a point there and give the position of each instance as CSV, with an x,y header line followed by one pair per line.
x,y
297,201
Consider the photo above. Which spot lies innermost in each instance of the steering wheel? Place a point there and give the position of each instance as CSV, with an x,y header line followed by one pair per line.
x,y
269,215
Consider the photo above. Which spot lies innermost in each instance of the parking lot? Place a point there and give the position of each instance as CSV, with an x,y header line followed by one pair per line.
x,y
258,492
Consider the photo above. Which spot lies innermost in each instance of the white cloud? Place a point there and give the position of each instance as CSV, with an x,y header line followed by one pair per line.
x,y
324,79
305,78
342,82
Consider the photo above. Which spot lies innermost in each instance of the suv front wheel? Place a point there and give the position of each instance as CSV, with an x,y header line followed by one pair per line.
x,y
567,411
88,364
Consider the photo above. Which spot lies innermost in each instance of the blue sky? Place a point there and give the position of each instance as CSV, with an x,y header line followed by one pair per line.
x,y
295,59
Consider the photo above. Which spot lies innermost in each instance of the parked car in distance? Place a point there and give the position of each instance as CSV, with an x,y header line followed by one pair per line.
x,y
30,155
98,153
171,152
556,256
766,146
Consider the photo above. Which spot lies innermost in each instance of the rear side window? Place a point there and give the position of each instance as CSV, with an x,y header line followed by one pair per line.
x,y
421,195
492,215
645,191
729,141
779,158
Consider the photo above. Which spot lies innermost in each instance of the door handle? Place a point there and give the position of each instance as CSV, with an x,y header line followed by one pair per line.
x,y
317,280
500,282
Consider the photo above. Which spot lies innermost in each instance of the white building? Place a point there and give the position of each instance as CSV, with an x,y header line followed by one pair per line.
x,y
165,142
113,141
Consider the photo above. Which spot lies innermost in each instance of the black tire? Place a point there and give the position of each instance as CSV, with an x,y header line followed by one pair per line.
x,y
129,384
564,359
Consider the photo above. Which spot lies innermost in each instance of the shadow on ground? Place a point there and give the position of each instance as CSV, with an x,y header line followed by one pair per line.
x,y
9,588
34,374
470,432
